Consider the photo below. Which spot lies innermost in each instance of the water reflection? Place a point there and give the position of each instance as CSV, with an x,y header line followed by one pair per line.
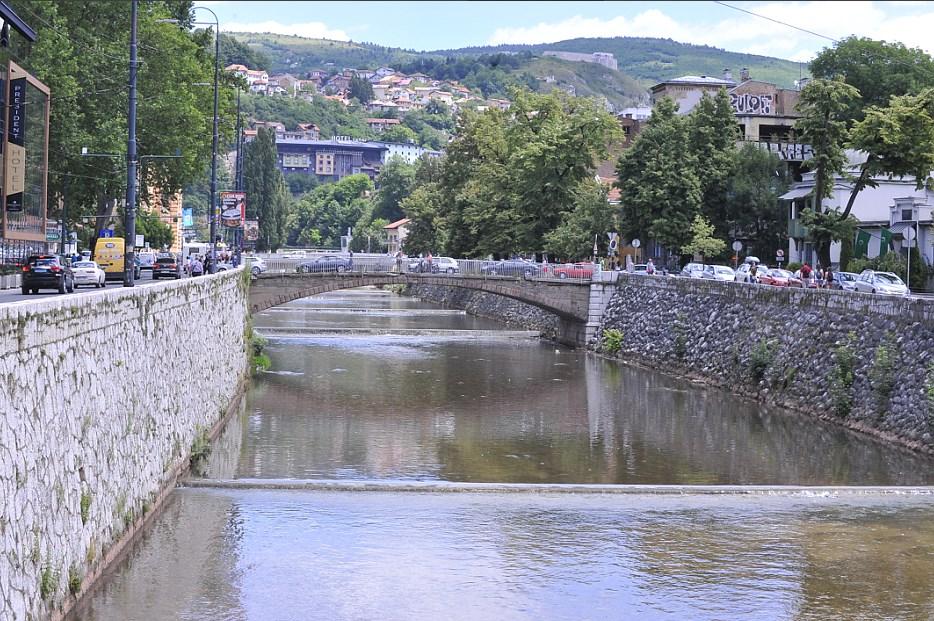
x,y
521,411
335,556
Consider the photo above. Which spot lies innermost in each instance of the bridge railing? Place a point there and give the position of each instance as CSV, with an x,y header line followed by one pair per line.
x,y
439,266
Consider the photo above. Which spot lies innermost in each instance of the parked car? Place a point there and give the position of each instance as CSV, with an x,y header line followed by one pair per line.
x,y
887,283
640,268
45,271
718,272
88,273
256,265
574,270
844,280
776,277
692,270
743,272
514,267
166,265
438,265
325,263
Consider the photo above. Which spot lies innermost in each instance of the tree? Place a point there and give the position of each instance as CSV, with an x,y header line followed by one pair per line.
x,y
301,183
267,193
877,69
399,134
424,208
396,181
712,135
325,213
703,242
361,90
591,217
153,229
659,189
753,211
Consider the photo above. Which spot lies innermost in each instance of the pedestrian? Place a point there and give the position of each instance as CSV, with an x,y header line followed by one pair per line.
x,y
828,278
428,262
197,267
399,261
753,273
650,267
806,274
350,260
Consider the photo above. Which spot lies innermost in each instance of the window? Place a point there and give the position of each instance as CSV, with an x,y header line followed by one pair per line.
x,y
324,164
908,214
299,160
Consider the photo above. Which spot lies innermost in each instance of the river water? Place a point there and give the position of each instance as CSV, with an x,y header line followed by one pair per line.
x,y
369,386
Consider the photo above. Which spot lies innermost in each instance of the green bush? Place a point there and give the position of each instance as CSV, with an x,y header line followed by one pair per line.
x,y
85,506
612,340
882,373
842,376
760,359
794,266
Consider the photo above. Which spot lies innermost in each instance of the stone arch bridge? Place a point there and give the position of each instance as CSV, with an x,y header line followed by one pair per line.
x,y
578,305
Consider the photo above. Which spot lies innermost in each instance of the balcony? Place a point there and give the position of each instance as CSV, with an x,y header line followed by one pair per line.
x,y
797,230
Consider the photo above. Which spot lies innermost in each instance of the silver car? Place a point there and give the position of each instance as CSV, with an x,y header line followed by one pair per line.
x,y
718,272
88,273
886,283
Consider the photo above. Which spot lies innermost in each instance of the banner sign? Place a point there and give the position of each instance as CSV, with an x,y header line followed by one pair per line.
x,y
53,231
15,173
233,209
251,230
188,218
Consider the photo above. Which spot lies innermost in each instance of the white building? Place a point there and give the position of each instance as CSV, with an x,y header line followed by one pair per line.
x,y
408,152
895,205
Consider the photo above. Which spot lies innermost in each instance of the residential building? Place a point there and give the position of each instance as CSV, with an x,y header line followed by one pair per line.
x,y
396,232
380,125
409,152
895,204
330,160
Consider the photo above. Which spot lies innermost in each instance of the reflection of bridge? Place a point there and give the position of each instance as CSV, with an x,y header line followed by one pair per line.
x,y
578,305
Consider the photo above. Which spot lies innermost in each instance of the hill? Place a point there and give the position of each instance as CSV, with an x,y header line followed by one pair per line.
x,y
651,60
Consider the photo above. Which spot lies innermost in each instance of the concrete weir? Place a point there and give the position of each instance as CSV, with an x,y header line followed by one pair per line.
x,y
330,485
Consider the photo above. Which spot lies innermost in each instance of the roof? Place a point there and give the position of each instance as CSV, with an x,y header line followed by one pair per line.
x,y
397,223
351,144
700,80
384,121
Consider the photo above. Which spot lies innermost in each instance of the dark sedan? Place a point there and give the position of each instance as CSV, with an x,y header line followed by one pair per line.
x,y
513,267
325,263
46,272
166,266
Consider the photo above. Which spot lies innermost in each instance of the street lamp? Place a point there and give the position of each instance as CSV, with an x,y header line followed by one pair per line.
x,y
217,54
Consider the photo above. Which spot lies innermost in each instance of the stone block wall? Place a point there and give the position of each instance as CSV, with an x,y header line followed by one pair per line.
x,y
864,361
101,398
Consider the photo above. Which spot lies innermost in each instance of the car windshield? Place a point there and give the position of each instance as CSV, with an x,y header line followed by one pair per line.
x,y
165,260
846,276
45,261
724,270
780,274
85,264
889,279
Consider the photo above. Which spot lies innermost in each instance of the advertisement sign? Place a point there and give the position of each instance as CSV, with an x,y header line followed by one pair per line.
x,y
15,173
53,231
188,218
233,209
251,230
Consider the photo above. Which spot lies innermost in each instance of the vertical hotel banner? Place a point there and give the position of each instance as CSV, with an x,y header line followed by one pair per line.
x,y
24,186
233,209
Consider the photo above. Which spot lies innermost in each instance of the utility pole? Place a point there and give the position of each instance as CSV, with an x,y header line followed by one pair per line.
x,y
64,216
213,228
238,173
130,209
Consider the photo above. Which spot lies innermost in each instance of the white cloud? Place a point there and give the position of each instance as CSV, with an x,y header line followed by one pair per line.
x,y
311,30
740,32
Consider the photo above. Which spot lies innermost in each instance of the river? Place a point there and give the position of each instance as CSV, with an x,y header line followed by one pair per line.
x,y
369,386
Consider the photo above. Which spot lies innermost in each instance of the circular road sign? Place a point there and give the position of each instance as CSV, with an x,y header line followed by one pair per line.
x,y
737,246
779,253
909,234
635,243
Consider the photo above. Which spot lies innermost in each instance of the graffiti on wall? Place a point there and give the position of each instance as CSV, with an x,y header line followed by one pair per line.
x,y
749,103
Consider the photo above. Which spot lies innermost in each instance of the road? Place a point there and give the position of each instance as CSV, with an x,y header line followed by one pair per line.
x,y
15,295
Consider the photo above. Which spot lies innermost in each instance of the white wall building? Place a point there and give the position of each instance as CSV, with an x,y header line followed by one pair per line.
x,y
408,152
895,205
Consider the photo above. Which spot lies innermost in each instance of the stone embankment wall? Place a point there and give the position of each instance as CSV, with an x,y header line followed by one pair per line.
x,y
103,395
861,360
490,305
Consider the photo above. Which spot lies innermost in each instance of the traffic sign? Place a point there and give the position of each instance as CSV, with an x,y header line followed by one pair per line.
x,y
909,234
737,246
635,243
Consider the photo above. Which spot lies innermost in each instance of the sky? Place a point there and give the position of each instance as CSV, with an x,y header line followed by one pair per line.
x,y
445,25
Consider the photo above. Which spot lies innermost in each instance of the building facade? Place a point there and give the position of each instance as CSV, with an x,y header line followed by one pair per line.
x,y
330,160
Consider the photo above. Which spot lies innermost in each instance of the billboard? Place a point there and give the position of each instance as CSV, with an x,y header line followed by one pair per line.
x,y
233,209
251,230
25,143
188,218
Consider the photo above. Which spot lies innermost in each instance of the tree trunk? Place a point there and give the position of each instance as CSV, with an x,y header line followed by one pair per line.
x,y
823,253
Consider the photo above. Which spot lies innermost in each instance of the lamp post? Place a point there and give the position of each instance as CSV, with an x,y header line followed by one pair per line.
x,y
130,211
212,267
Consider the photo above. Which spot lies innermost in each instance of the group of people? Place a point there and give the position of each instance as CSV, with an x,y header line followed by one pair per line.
x,y
822,276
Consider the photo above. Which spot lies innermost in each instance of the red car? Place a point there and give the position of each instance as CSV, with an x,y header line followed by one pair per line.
x,y
776,277
574,270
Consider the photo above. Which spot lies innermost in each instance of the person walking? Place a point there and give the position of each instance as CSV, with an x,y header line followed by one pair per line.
x,y
197,267
428,263
350,260
806,273
399,261
650,267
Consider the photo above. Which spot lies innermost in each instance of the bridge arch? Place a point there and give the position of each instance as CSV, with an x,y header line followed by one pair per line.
x,y
569,301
